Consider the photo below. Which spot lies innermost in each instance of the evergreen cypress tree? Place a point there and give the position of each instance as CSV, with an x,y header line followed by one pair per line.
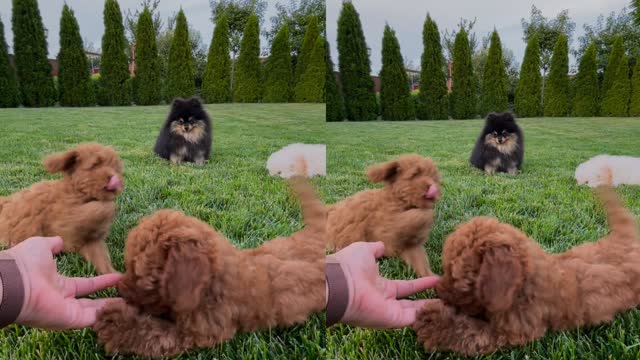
x,y
74,83
432,99
616,102
464,86
610,73
114,68
216,87
308,43
30,49
180,75
147,80
311,87
494,82
556,92
355,67
9,93
585,103
529,90
395,95
278,72
634,106
247,87
335,103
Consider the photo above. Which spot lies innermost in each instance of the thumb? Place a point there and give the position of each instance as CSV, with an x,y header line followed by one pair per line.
x,y
55,244
376,249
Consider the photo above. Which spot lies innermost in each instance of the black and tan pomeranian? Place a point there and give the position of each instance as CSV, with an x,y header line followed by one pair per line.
x,y
500,147
186,134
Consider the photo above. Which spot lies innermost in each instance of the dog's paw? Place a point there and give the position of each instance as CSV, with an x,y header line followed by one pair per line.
x,y
112,325
430,320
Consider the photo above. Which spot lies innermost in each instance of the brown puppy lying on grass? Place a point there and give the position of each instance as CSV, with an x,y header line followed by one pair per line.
x,y
501,288
400,214
80,207
187,286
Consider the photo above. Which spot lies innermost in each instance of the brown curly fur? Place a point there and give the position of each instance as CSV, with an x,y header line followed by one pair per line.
x,y
399,214
501,288
79,207
187,286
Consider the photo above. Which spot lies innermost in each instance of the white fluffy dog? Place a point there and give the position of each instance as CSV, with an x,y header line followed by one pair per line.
x,y
306,160
609,170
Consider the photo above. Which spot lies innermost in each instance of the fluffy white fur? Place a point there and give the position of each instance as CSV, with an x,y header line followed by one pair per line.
x,y
306,160
609,170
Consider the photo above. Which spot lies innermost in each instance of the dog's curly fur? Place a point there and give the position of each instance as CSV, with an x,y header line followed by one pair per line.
x,y
400,214
187,286
501,288
80,207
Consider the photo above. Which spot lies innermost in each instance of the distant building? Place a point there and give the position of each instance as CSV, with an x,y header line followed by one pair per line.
x,y
94,61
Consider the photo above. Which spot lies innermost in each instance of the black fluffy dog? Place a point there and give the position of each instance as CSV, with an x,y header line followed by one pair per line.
x,y
500,147
186,134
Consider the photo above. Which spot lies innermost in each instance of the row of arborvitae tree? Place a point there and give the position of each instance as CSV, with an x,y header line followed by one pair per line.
x,y
30,82
355,100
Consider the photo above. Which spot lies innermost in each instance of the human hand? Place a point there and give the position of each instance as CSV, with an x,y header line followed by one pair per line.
x,y
373,300
50,298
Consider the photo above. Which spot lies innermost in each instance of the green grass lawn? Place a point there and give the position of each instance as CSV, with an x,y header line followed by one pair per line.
x,y
233,193
544,201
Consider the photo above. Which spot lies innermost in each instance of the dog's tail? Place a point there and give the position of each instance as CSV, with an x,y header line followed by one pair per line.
x,y
300,167
314,211
621,221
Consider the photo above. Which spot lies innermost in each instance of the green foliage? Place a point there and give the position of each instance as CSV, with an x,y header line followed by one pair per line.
x,y
278,72
311,87
147,82
9,92
355,67
611,71
335,102
216,87
464,85
114,68
529,90
494,82
74,86
237,13
586,98
432,99
297,15
635,5
616,101
246,87
310,37
556,93
30,48
180,75
395,95
634,106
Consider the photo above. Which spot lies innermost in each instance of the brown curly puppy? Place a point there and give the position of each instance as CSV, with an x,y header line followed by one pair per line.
x,y
501,288
400,214
187,286
80,207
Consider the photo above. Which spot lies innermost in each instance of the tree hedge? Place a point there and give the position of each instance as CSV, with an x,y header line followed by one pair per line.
x,y
616,101
634,105
308,43
180,77
74,79
148,84
494,82
246,88
278,72
556,94
114,67
216,87
463,93
311,87
335,102
610,73
395,95
529,90
432,99
9,92
585,103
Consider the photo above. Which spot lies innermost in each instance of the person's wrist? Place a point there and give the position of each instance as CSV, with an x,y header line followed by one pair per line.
x,y
14,289
338,294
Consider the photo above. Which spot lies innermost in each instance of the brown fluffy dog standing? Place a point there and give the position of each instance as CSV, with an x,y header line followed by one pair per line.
x,y
501,288
80,207
400,214
187,286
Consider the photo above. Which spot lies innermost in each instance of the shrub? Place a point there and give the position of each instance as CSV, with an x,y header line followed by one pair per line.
x,y
395,96
246,87
586,98
610,73
616,102
278,74
464,84
147,80
556,92
529,90
432,99
30,48
9,93
311,87
180,76
335,103
308,43
494,82
216,87
634,106
114,68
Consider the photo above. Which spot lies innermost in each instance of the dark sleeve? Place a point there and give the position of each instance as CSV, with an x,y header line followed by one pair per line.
x,y
338,292
12,290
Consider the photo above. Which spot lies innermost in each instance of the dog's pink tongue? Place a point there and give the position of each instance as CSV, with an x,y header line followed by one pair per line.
x,y
432,193
114,183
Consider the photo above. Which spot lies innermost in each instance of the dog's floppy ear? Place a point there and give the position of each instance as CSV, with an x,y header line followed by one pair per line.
x,y
500,276
64,161
383,172
185,274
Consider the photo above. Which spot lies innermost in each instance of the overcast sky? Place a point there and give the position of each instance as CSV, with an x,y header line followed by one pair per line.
x,y
89,15
407,18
